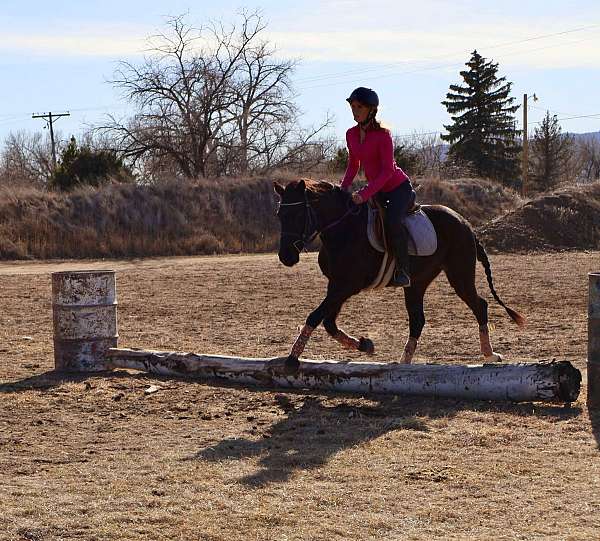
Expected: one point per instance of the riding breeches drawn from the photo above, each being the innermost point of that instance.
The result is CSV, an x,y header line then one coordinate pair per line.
x,y
395,205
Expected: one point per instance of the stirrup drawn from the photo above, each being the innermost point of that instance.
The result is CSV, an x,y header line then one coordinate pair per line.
x,y
400,278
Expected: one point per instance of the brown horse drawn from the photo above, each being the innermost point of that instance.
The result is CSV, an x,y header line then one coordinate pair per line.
x,y
310,208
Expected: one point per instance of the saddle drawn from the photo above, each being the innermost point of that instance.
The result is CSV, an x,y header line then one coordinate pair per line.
x,y
422,238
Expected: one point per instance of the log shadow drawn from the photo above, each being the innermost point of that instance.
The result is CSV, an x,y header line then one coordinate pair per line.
x,y
312,433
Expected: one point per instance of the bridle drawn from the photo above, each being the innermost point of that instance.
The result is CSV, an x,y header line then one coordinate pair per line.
x,y
311,225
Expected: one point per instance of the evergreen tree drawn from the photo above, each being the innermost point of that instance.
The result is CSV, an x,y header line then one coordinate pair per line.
x,y
483,133
83,166
549,154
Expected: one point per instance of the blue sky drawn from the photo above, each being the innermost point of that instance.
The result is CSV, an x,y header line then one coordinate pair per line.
x,y
59,55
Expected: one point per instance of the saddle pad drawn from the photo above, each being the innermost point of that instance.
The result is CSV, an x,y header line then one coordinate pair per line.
x,y
422,239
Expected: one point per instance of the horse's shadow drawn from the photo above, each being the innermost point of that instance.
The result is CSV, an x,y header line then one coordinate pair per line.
x,y
311,434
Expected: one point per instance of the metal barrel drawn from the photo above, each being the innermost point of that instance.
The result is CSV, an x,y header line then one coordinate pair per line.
x,y
84,307
593,358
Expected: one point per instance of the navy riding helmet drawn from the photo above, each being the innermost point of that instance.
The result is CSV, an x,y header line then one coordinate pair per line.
x,y
363,95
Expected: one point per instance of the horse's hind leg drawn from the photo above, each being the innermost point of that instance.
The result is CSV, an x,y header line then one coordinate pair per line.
x,y
462,278
413,300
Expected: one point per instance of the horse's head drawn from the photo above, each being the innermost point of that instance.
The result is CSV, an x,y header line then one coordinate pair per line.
x,y
298,214
293,217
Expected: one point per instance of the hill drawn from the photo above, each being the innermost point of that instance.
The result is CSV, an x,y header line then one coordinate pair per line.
x,y
565,219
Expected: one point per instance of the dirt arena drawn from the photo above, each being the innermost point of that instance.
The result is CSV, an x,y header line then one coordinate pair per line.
x,y
97,458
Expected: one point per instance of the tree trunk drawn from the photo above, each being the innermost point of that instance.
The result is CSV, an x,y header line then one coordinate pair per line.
x,y
556,381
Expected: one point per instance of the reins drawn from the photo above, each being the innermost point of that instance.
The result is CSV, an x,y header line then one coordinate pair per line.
x,y
311,222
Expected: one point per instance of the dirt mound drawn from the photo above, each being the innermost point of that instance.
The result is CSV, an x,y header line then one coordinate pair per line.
x,y
476,199
565,219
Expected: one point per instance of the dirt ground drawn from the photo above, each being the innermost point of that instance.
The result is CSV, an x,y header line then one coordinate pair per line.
x,y
95,457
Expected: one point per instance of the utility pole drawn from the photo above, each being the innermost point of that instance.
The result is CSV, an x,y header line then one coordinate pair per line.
x,y
525,155
50,118
525,164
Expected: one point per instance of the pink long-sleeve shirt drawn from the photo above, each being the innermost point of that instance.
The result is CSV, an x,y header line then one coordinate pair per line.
x,y
376,154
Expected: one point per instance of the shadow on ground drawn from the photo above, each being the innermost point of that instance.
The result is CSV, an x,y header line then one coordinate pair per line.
x,y
317,426
41,382
310,434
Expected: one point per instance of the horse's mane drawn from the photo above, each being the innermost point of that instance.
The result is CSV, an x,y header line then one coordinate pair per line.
x,y
317,186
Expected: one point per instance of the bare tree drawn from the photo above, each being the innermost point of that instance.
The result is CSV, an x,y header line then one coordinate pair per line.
x,y
26,159
431,151
588,159
209,101
550,150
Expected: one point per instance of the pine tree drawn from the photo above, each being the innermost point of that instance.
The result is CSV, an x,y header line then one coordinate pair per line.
x,y
549,154
483,132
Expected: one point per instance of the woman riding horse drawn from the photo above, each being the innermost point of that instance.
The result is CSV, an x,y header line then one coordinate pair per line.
x,y
371,145
347,258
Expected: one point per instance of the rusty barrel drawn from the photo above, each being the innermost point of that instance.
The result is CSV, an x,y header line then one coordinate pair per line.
x,y
593,358
84,306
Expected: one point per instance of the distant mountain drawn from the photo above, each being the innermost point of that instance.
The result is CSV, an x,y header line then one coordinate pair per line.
x,y
593,135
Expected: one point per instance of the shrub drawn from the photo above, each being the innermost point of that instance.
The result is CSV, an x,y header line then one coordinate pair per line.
x,y
86,167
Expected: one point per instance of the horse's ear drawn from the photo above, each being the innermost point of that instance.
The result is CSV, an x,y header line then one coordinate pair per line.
x,y
301,185
279,189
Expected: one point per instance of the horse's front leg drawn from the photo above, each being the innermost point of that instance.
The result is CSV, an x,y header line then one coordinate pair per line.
x,y
327,310
349,342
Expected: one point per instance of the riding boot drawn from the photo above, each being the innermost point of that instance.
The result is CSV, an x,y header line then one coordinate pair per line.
x,y
399,243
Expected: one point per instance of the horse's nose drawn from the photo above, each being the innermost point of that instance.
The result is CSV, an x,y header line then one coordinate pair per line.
x,y
289,260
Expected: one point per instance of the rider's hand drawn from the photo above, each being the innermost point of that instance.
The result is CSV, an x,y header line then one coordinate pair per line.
x,y
357,198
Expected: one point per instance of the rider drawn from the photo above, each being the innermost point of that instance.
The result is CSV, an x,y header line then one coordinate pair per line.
x,y
371,145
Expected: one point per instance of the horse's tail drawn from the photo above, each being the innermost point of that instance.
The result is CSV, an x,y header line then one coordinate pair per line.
x,y
483,258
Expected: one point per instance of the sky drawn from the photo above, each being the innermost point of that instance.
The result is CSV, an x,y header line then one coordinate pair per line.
x,y
60,56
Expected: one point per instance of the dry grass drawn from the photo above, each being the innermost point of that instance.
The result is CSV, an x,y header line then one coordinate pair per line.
x,y
478,200
127,220
180,218
94,458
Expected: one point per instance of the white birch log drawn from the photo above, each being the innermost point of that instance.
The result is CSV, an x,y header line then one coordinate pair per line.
x,y
554,381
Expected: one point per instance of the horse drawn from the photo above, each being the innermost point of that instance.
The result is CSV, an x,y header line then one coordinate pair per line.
x,y
308,208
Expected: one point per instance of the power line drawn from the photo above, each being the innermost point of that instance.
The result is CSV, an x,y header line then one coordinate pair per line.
x,y
441,66
569,116
551,110
596,115
449,55
81,109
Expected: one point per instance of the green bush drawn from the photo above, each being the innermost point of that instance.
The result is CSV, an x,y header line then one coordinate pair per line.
x,y
86,167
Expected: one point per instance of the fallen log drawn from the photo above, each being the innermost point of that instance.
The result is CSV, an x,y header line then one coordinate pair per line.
x,y
553,381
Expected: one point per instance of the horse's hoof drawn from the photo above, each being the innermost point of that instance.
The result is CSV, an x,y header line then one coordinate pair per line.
x,y
493,358
291,365
366,345
283,366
